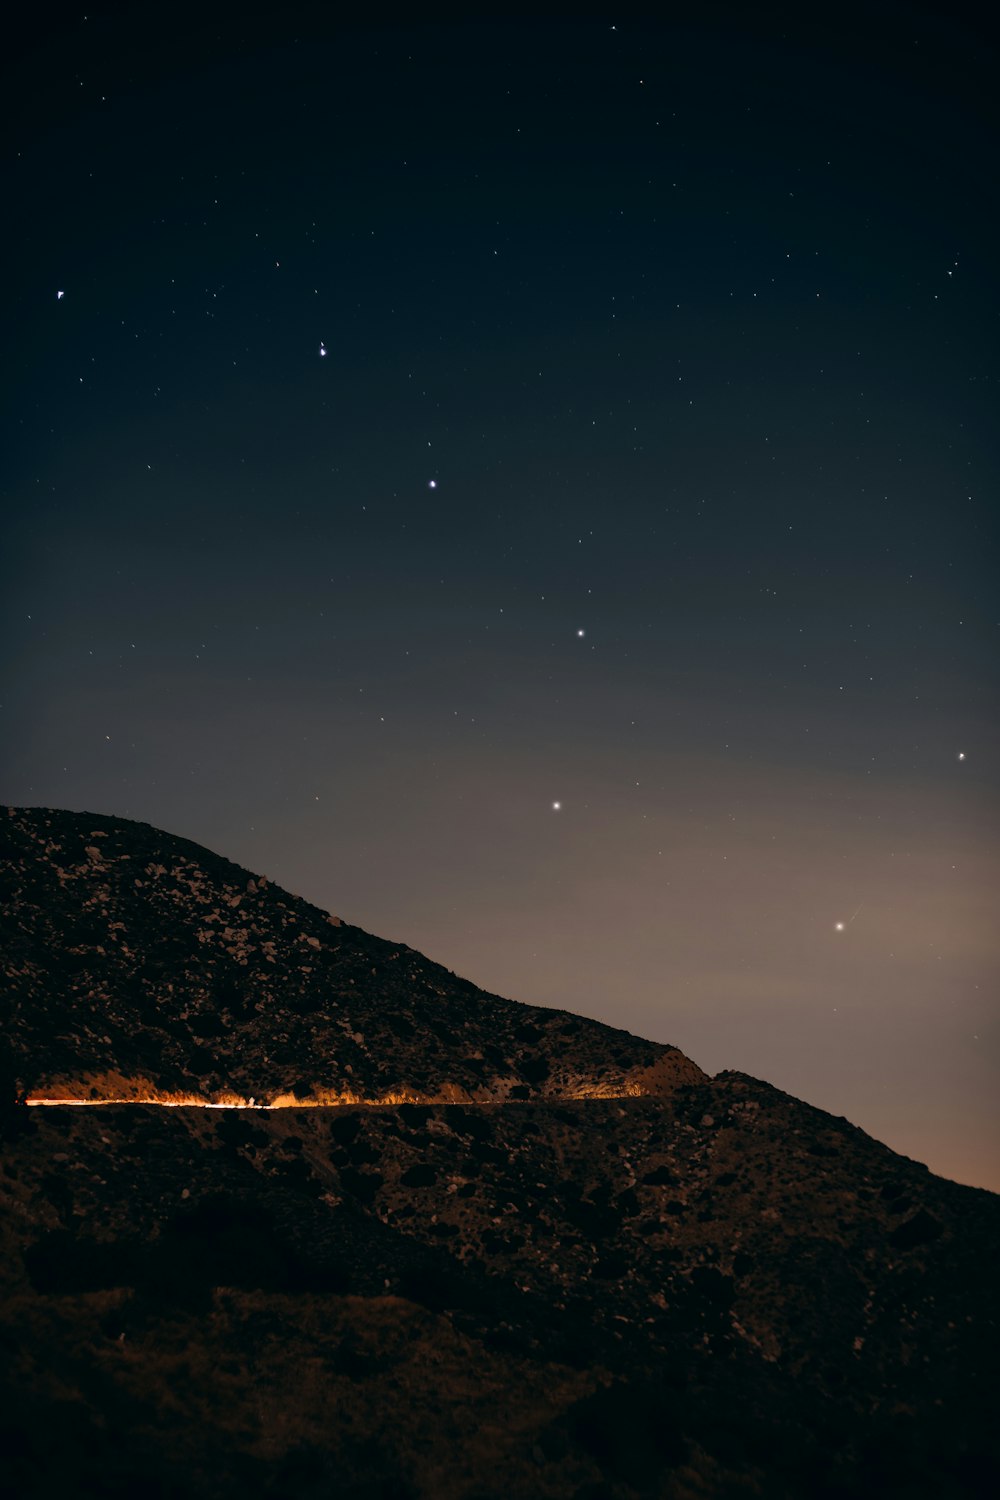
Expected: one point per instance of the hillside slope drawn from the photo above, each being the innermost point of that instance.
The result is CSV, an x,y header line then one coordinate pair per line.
x,y
692,1288
136,963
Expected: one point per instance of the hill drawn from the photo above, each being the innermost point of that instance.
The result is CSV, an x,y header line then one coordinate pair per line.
x,y
140,962
689,1287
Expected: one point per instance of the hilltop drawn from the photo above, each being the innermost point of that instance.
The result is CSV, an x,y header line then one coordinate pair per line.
x,y
138,961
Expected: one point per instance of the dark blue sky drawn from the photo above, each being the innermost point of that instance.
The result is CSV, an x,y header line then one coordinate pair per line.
x,y
692,325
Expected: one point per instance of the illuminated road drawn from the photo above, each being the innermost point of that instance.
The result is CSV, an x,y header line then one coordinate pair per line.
x,y
289,1101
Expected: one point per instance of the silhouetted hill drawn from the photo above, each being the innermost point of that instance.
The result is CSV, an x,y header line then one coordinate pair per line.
x,y
137,960
711,1290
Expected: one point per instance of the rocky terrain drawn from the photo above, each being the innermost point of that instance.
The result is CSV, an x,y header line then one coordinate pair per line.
x,y
690,1287
139,962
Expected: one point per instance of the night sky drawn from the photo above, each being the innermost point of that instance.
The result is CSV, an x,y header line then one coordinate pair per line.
x,y
529,488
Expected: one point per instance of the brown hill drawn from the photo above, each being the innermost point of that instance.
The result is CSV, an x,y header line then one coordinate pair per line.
x,y
713,1290
139,964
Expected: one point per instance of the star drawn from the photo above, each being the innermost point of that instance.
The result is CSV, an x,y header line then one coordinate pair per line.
x,y
322,349
580,634
838,926
556,806
432,484
60,296
961,755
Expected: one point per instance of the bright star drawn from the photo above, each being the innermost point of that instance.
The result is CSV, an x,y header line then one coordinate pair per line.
x,y
322,350
961,755
580,634
838,926
432,484
60,296
556,806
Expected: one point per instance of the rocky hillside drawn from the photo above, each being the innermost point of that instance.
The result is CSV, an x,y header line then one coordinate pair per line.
x,y
705,1292
138,964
